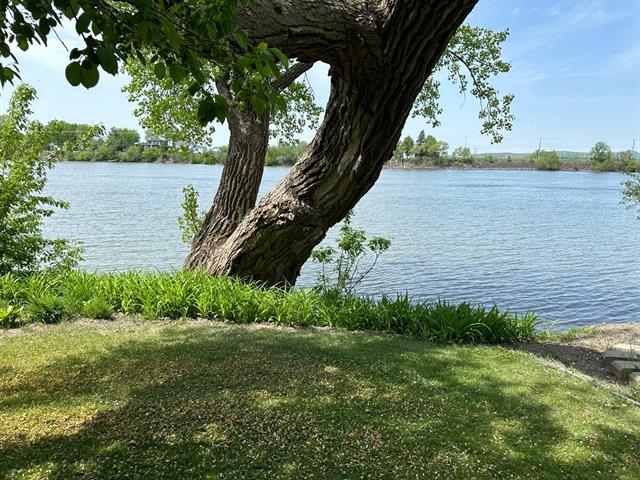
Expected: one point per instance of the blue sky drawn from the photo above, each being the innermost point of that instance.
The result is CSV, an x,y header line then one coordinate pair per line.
x,y
575,74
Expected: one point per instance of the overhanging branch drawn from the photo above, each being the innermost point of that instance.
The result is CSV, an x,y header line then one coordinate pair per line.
x,y
309,30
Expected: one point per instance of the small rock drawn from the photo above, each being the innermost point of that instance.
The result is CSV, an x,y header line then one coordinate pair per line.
x,y
622,368
613,355
634,378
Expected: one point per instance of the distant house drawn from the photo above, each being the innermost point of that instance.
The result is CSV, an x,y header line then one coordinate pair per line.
x,y
193,147
154,142
157,142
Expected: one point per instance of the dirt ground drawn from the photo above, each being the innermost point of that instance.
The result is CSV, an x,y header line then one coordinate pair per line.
x,y
584,352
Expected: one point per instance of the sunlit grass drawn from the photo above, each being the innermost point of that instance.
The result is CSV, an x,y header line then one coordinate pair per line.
x,y
105,400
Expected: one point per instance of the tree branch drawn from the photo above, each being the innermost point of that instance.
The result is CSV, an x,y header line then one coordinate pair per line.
x,y
290,75
309,30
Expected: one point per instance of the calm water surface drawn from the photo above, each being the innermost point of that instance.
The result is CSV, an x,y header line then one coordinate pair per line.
x,y
555,242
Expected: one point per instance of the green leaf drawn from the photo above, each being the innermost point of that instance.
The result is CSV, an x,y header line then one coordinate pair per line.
x,y
241,40
177,72
206,110
144,30
160,70
82,24
90,77
193,88
172,35
261,48
108,60
281,56
211,109
74,73
223,108
259,103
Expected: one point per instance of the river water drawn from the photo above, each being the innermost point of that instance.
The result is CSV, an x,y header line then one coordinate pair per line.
x,y
558,243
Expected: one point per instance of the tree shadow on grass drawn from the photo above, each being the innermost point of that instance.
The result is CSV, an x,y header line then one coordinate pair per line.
x,y
198,401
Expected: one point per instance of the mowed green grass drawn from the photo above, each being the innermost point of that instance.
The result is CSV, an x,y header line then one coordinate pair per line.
x,y
174,400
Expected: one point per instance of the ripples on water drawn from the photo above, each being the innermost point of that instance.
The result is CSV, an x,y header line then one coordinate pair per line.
x,y
555,242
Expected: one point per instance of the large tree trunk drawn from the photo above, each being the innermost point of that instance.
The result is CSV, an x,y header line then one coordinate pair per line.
x,y
380,57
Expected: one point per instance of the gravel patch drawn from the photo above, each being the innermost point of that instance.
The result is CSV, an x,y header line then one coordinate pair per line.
x,y
584,351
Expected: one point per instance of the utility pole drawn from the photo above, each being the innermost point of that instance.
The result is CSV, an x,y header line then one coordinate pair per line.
x,y
633,147
465,142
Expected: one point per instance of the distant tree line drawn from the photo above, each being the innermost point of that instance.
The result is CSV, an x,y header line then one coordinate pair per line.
x,y
427,151
125,145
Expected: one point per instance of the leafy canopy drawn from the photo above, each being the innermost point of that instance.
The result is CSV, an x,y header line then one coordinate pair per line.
x,y
171,111
120,139
180,40
471,60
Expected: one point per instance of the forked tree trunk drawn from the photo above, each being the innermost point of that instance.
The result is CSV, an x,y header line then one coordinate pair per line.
x,y
381,53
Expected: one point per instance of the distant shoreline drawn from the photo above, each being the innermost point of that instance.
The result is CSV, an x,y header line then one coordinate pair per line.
x,y
505,166
514,166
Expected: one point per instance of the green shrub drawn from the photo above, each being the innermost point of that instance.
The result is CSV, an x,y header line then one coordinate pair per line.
x,y
50,297
152,154
546,160
191,220
602,158
131,154
345,261
104,153
97,308
25,158
47,308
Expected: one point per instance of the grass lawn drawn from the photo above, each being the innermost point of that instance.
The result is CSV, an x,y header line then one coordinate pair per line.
x,y
210,400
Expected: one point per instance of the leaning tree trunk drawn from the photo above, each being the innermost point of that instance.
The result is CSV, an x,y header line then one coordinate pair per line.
x,y
242,171
380,53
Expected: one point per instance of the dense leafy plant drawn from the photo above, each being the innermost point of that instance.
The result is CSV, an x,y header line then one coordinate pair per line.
x,y
462,154
601,157
46,308
120,139
25,157
546,160
191,220
341,266
285,153
52,297
97,307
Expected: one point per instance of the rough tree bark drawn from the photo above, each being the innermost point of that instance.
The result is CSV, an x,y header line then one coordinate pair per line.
x,y
380,54
242,171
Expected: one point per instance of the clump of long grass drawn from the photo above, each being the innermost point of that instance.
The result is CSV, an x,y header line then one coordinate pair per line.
x,y
50,297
